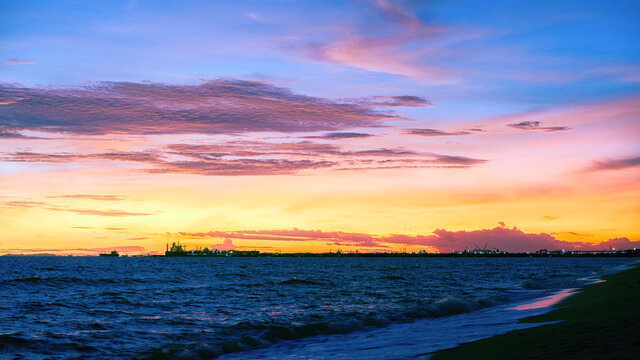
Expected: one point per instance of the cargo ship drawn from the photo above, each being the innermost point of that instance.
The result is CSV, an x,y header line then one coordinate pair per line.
x,y
113,253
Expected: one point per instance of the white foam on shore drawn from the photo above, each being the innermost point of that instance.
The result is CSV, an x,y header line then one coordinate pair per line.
x,y
419,338
403,340
546,301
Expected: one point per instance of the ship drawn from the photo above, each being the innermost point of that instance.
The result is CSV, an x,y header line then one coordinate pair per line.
x,y
176,250
113,253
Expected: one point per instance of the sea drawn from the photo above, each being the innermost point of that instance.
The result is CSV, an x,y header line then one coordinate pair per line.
x,y
272,307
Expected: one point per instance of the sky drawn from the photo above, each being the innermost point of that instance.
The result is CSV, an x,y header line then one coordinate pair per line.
x,y
300,126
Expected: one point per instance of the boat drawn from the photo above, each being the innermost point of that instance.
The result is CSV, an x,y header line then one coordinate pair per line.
x,y
113,253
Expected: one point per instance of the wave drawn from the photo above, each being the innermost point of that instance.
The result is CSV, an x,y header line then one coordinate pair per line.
x,y
560,282
61,280
393,277
17,343
296,281
248,336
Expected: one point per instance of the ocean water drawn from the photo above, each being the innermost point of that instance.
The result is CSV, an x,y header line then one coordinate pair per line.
x,y
268,308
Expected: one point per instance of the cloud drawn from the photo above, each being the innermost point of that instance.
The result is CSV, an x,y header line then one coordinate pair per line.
x,y
28,156
501,237
253,158
122,249
92,197
457,160
384,152
401,49
399,14
254,17
225,246
252,149
222,106
211,159
340,135
295,234
109,212
621,243
397,101
8,134
14,61
240,167
434,132
616,164
535,125
378,55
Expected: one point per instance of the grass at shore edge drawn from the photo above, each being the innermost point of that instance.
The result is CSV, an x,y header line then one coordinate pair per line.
x,y
601,321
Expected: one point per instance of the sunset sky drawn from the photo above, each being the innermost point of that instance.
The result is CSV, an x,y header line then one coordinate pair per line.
x,y
317,126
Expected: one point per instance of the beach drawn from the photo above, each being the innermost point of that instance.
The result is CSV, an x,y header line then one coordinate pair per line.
x,y
601,321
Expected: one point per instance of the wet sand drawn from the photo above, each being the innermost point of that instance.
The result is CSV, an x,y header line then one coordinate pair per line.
x,y
601,321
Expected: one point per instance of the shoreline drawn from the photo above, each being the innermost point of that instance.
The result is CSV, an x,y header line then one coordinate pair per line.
x,y
599,321
629,253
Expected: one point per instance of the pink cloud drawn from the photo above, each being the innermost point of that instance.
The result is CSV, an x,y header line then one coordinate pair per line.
x,y
122,249
621,111
254,17
616,164
225,246
222,106
91,197
340,135
535,125
42,205
110,212
381,55
14,61
234,158
502,237
434,132
396,52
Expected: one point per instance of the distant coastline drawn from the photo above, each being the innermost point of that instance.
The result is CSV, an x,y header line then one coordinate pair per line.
x,y
180,250
455,254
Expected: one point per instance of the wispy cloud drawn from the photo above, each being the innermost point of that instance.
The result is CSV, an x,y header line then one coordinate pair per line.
x,y
457,160
616,164
246,167
223,106
9,134
340,135
434,132
535,125
397,101
402,49
53,207
110,212
89,196
123,249
28,156
245,158
25,203
14,61
254,17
